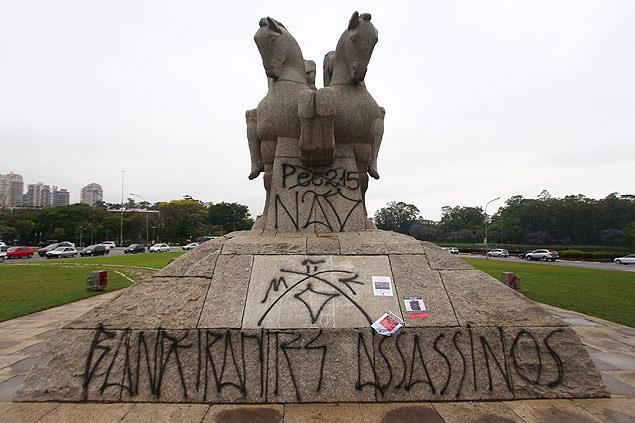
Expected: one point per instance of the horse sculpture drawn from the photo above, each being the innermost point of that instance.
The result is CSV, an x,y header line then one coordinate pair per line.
x,y
290,107
359,119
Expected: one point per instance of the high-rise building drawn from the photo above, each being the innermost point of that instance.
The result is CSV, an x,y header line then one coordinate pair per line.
x,y
37,195
60,197
92,194
11,190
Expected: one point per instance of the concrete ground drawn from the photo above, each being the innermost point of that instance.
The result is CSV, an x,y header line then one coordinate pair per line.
x,y
611,346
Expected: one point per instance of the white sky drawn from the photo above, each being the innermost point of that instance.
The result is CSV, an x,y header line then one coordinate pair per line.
x,y
483,98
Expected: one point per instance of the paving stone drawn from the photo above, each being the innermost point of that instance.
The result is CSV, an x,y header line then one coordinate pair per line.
x,y
10,387
155,413
24,412
561,411
316,291
579,321
8,360
481,412
607,345
614,410
245,413
226,296
325,413
616,386
38,347
22,334
378,242
441,259
18,346
93,413
616,361
414,278
398,413
22,366
477,299
264,245
163,302
5,376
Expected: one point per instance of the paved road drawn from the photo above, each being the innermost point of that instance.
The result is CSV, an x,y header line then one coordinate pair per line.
x,y
566,263
114,252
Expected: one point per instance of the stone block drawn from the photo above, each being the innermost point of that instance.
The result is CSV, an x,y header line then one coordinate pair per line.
x,y
479,299
227,292
441,259
162,302
202,259
316,291
94,413
397,413
324,413
322,245
24,413
245,413
414,278
309,365
551,411
156,413
618,410
265,244
378,242
477,412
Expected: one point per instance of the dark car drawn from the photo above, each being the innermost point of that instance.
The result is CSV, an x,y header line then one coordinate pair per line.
x,y
94,250
42,251
134,249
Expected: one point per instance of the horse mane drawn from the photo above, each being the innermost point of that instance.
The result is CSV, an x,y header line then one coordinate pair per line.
x,y
327,67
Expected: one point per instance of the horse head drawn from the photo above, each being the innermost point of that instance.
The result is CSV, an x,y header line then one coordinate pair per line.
x,y
280,52
356,45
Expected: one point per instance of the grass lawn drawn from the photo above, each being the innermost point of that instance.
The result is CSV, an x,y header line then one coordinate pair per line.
x,y
152,260
606,294
27,289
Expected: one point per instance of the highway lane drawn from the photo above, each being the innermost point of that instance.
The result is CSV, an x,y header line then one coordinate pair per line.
x,y
566,263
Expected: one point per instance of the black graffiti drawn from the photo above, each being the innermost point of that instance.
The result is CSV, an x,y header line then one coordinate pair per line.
x,y
309,280
234,365
294,176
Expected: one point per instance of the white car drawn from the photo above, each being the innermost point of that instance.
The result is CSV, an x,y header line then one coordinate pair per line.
x,y
498,252
453,250
629,259
108,244
61,252
159,248
190,246
3,251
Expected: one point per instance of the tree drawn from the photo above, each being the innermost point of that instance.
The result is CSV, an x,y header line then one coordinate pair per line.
x,y
456,218
181,220
397,216
229,217
611,236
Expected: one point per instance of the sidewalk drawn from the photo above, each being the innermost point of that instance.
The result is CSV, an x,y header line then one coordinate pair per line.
x,y
611,346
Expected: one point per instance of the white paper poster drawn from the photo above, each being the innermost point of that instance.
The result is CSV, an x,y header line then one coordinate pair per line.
x,y
387,324
415,307
382,286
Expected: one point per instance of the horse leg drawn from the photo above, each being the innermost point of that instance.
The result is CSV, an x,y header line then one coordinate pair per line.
x,y
377,134
254,144
268,150
325,103
309,148
362,154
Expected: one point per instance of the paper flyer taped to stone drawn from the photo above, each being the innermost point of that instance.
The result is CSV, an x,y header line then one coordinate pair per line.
x,y
387,324
382,286
415,307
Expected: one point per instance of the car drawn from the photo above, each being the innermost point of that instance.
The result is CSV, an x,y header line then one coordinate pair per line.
x,y
498,252
42,251
524,255
134,249
3,251
94,250
190,246
159,248
19,252
61,252
543,254
453,250
109,244
629,259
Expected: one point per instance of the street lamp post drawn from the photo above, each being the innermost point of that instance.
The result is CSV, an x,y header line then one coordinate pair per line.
x,y
123,173
146,213
487,219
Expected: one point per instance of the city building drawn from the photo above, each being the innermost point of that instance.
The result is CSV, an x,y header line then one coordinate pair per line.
x,y
11,190
60,197
37,195
92,194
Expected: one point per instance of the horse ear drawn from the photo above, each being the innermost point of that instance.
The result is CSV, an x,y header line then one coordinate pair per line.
x,y
354,22
273,26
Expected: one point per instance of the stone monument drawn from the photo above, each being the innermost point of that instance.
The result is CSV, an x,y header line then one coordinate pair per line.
x,y
314,304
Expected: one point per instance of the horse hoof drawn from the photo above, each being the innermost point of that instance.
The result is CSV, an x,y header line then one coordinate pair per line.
x,y
254,174
373,173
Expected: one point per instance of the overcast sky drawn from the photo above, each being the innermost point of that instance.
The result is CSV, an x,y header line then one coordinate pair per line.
x,y
483,98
